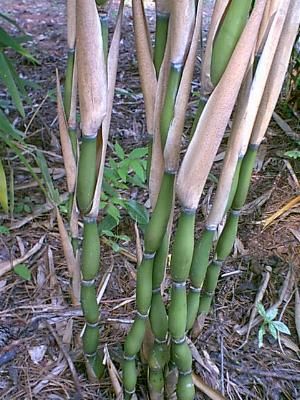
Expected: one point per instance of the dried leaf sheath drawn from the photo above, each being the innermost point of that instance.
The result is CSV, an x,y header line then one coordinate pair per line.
x,y
112,65
92,80
145,62
203,148
277,73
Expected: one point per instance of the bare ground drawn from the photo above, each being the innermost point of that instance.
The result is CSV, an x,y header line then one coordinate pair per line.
x,y
37,318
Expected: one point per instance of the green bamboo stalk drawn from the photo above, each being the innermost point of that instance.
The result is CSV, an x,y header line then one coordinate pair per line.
x,y
104,30
227,36
86,174
161,33
154,234
199,265
92,85
69,81
180,268
159,323
89,270
168,107
224,42
227,238
200,261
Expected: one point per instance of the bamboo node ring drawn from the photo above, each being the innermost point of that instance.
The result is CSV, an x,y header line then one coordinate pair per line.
x,y
187,210
129,391
88,283
195,289
89,219
163,14
177,66
90,136
180,340
129,358
209,294
149,256
211,227
90,355
71,50
92,325
185,373
171,171
142,316
156,290
236,213
217,262
179,285
158,341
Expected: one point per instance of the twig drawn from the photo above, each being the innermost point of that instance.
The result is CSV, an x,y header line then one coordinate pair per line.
x,y
279,374
37,212
7,266
67,357
285,127
259,296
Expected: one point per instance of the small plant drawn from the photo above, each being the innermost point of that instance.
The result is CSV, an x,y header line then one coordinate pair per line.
x,y
295,153
274,327
127,170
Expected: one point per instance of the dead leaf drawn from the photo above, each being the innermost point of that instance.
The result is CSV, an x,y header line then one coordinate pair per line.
x,y
289,343
37,353
297,312
204,388
114,376
295,201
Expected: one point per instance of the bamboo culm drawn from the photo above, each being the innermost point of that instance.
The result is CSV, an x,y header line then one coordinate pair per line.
x,y
154,234
227,238
180,267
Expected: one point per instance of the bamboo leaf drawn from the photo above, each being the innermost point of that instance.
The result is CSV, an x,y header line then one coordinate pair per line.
x,y
7,128
53,194
3,189
8,41
8,80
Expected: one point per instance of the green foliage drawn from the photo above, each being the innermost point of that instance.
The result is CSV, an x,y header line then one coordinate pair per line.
x,y
295,153
8,75
23,271
122,172
269,323
4,230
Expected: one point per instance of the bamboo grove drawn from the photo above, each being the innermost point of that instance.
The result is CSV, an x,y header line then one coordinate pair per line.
x,y
243,66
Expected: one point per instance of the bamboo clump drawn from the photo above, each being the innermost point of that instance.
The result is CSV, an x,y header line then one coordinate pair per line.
x,y
92,66
242,72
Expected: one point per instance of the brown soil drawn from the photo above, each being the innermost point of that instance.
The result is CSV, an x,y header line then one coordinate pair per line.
x,y
36,316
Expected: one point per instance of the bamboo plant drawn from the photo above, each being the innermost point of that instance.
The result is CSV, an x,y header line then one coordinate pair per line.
x,y
253,39
264,93
93,68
